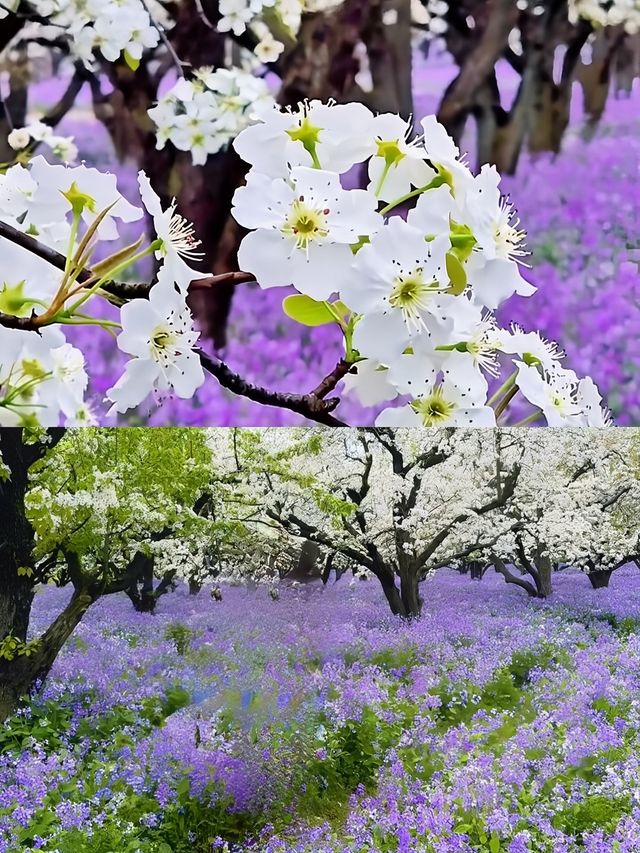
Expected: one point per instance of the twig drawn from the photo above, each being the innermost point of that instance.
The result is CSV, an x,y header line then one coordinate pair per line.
x,y
331,379
165,40
309,405
119,289
66,102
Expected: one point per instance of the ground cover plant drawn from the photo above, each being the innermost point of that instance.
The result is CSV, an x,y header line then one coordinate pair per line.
x,y
494,722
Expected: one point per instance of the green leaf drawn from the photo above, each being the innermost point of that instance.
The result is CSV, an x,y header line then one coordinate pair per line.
x,y
494,843
457,275
131,61
303,309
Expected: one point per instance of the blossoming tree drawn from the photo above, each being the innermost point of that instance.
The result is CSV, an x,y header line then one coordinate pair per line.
x,y
89,509
399,504
576,500
395,503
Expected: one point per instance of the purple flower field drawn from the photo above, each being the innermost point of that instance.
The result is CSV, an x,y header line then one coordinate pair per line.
x,y
319,722
579,209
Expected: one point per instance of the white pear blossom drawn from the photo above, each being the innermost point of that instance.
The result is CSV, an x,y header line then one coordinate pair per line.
x,y
59,188
159,333
304,229
238,16
369,382
203,115
554,392
108,27
398,165
421,291
530,346
442,404
313,134
416,291
178,243
42,377
607,13
62,146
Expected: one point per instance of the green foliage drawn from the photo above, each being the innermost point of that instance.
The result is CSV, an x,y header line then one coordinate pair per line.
x,y
480,838
47,723
594,812
397,661
303,309
181,636
103,493
611,712
624,626
12,647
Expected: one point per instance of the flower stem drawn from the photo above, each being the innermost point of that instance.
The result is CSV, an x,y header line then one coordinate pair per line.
x,y
436,182
532,418
506,400
506,386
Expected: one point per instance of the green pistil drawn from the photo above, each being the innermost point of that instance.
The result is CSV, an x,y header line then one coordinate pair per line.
x,y
309,135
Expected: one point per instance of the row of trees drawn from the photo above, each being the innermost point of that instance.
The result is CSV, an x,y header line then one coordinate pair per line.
x,y
550,46
401,504
135,510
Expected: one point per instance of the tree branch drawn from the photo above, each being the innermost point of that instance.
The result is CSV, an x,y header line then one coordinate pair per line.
x,y
307,405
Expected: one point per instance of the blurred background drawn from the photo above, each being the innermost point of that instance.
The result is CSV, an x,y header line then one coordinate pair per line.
x,y
546,91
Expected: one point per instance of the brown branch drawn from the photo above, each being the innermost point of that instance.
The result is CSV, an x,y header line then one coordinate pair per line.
x,y
308,405
222,278
331,379
66,102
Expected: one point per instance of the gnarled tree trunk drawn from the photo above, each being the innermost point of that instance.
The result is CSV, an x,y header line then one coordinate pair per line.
x,y
600,578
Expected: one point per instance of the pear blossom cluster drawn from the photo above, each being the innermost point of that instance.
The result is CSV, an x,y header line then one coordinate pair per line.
x,y
430,16
607,13
204,114
71,210
271,22
111,29
415,296
42,379
63,147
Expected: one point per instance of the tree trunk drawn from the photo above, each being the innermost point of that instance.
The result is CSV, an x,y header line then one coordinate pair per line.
x,y
15,104
410,594
141,592
600,578
16,539
392,594
477,570
509,577
545,569
194,587
307,563
595,78
498,19
15,608
22,675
